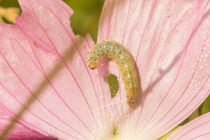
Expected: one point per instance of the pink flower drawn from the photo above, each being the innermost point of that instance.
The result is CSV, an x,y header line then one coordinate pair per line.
x,y
170,44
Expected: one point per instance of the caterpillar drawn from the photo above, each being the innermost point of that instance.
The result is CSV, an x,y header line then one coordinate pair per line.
x,y
125,62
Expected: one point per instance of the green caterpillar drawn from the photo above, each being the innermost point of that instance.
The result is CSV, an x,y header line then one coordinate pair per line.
x,y
125,61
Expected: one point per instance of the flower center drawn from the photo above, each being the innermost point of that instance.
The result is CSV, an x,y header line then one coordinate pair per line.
x,y
115,131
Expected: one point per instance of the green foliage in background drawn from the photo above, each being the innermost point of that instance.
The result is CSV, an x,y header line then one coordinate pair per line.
x,y
202,109
86,16
113,84
9,3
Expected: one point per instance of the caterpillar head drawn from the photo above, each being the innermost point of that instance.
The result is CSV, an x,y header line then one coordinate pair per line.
x,y
92,65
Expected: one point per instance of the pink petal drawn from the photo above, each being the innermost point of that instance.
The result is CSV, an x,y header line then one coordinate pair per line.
x,y
20,132
46,23
69,106
77,103
90,88
170,43
196,129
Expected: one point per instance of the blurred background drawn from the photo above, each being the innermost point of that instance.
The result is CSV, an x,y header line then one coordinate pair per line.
x,y
85,20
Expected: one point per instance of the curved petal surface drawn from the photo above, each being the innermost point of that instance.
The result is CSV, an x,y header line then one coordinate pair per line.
x,y
20,131
170,42
29,51
197,129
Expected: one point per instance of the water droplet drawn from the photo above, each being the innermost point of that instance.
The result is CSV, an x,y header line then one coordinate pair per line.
x,y
204,48
200,60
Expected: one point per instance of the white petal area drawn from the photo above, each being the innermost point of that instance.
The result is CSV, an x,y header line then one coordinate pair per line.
x,y
197,129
